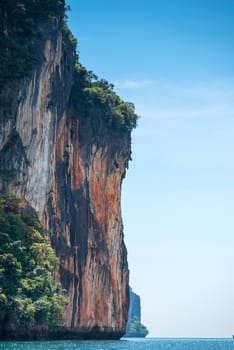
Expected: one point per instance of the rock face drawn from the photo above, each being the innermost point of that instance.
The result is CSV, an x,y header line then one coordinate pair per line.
x,y
84,216
70,170
134,326
29,117
134,307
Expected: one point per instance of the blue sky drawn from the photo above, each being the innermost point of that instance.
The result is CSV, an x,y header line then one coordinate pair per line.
x,y
174,59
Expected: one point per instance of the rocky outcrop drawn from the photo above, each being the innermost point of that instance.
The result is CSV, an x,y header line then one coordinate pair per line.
x,y
70,170
134,326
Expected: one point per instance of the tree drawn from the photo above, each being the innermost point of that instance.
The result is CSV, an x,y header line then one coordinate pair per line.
x,y
28,294
90,95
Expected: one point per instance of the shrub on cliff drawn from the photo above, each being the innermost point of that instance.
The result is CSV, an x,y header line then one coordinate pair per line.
x,y
90,95
28,294
19,33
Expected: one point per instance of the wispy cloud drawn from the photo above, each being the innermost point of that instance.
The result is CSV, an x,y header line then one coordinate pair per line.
x,y
190,125
211,90
171,101
134,84
180,112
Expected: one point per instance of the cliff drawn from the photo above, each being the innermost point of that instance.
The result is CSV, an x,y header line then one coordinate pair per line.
x,y
134,306
134,326
65,152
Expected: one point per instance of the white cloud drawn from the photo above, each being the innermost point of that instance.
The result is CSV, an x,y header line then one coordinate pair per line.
x,y
171,101
133,84
211,90
186,112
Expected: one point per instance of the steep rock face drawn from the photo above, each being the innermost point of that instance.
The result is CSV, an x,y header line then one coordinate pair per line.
x,y
84,216
70,170
134,306
134,327
29,118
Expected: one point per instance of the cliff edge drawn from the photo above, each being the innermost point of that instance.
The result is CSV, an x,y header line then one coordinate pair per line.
x,y
65,143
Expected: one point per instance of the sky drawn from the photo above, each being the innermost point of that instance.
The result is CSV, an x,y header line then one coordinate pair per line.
x,y
174,59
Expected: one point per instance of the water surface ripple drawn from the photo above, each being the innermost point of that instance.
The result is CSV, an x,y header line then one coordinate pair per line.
x,y
125,344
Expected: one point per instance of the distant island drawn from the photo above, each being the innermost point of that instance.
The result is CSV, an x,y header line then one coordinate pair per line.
x,y
134,326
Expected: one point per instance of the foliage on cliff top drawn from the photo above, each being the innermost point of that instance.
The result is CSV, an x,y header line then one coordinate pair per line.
x,y
90,95
28,294
19,31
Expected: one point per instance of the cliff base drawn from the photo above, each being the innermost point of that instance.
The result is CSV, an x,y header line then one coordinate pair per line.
x,y
59,333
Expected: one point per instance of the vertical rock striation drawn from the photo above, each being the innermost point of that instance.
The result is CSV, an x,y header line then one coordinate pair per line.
x,y
84,216
29,118
70,170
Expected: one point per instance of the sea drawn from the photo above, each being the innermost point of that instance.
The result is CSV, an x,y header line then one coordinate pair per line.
x,y
125,344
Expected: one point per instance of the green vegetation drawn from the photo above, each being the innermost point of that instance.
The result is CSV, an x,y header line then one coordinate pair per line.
x,y
92,95
20,31
19,50
66,31
28,294
136,329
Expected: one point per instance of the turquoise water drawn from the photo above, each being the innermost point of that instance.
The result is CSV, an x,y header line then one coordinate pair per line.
x,y
128,344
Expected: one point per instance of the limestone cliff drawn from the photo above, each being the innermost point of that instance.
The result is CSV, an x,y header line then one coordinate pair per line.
x,y
69,169
84,215
134,326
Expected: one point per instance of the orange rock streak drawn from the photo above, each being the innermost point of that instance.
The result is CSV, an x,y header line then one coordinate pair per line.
x,y
87,224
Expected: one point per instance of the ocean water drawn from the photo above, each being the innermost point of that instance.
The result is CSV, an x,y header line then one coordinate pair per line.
x,y
125,344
